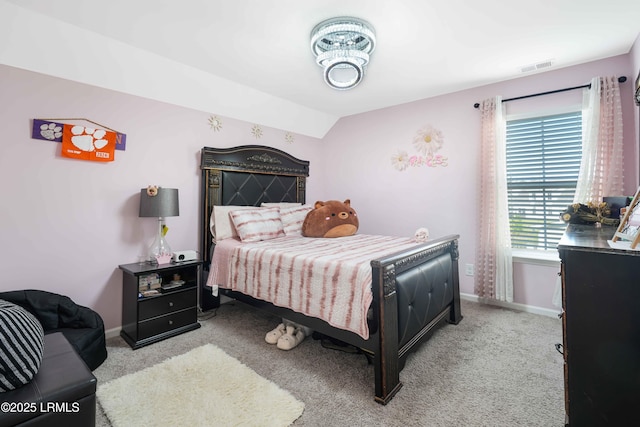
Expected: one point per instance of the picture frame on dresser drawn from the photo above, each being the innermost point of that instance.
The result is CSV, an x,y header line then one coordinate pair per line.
x,y
637,90
629,227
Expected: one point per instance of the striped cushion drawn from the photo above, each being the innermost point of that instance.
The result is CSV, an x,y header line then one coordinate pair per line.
x,y
220,222
292,219
21,344
254,225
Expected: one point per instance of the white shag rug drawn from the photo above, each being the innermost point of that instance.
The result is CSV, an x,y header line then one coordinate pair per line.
x,y
204,387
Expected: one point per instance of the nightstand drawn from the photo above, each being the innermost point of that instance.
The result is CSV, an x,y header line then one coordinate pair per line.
x,y
158,301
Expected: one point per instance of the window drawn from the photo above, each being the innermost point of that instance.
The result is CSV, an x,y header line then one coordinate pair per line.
x,y
543,162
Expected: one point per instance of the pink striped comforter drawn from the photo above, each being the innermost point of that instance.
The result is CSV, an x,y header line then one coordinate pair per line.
x,y
325,278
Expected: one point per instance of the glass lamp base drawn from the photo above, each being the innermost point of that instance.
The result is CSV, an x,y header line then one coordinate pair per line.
x,y
160,251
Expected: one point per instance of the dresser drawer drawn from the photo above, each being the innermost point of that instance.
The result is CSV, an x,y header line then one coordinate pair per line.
x,y
159,325
167,304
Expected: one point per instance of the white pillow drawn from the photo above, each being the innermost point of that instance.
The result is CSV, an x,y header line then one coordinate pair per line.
x,y
220,222
292,219
257,224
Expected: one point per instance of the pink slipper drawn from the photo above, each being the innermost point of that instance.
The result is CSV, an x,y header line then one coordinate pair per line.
x,y
290,339
273,336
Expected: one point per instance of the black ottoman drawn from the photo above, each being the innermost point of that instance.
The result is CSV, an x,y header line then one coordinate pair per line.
x,y
63,392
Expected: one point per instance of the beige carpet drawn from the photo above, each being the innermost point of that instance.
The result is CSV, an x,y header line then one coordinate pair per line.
x,y
204,387
497,368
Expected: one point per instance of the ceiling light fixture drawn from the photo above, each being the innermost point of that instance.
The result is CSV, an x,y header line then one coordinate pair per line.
x,y
342,47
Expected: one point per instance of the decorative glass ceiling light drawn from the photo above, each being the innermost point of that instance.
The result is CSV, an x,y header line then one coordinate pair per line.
x,y
342,47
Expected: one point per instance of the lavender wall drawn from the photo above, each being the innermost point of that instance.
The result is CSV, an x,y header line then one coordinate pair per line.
x,y
444,198
67,224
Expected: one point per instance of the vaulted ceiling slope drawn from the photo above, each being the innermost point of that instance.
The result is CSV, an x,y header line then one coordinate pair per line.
x,y
251,60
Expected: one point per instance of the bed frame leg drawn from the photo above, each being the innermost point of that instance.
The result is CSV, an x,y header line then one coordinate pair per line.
x,y
386,399
386,360
387,370
455,315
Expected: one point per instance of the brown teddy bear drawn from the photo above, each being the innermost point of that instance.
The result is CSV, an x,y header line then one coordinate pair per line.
x,y
331,219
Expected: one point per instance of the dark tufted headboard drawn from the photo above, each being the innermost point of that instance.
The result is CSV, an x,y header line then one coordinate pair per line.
x,y
247,175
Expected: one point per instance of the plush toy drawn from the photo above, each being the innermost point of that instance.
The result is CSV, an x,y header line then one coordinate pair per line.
x,y
152,190
331,219
421,235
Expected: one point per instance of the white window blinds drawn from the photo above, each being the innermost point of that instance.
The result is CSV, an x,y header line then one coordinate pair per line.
x,y
543,161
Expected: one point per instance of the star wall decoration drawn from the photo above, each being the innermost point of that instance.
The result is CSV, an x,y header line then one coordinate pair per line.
x,y
215,123
256,131
288,137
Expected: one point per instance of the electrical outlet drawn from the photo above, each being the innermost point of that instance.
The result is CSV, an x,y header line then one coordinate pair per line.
x,y
468,269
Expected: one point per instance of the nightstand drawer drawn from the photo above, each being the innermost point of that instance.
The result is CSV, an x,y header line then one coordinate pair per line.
x,y
166,304
162,324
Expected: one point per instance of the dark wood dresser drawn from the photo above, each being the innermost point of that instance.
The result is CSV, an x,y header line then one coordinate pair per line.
x,y
601,328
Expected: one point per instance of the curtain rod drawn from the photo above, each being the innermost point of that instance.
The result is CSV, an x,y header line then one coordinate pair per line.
x,y
620,79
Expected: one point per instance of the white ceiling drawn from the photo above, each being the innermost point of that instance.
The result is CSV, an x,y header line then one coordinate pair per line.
x,y
424,48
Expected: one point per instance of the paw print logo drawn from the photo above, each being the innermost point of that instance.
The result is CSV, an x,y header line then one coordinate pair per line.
x,y
87,139
84,143
51,131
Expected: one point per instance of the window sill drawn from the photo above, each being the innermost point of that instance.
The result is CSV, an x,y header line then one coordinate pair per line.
x,y
544,258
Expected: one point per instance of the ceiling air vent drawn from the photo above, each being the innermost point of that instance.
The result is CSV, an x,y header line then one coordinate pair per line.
x,y
536,67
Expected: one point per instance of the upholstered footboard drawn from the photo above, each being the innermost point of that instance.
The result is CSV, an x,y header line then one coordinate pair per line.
x,y
414,291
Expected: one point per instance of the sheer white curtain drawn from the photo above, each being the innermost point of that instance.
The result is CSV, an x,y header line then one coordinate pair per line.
x,y
601,168
493,270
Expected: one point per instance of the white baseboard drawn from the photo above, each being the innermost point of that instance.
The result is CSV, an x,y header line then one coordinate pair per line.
x,y
113,332
549,312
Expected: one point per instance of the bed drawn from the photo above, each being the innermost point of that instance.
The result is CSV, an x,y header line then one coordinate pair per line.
x,y
413,290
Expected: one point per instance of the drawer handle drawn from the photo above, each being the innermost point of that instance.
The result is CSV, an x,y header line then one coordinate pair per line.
x,y
560,348
170,304
170,322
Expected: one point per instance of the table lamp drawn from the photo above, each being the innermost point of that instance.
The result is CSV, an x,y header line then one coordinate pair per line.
x,y
160,203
